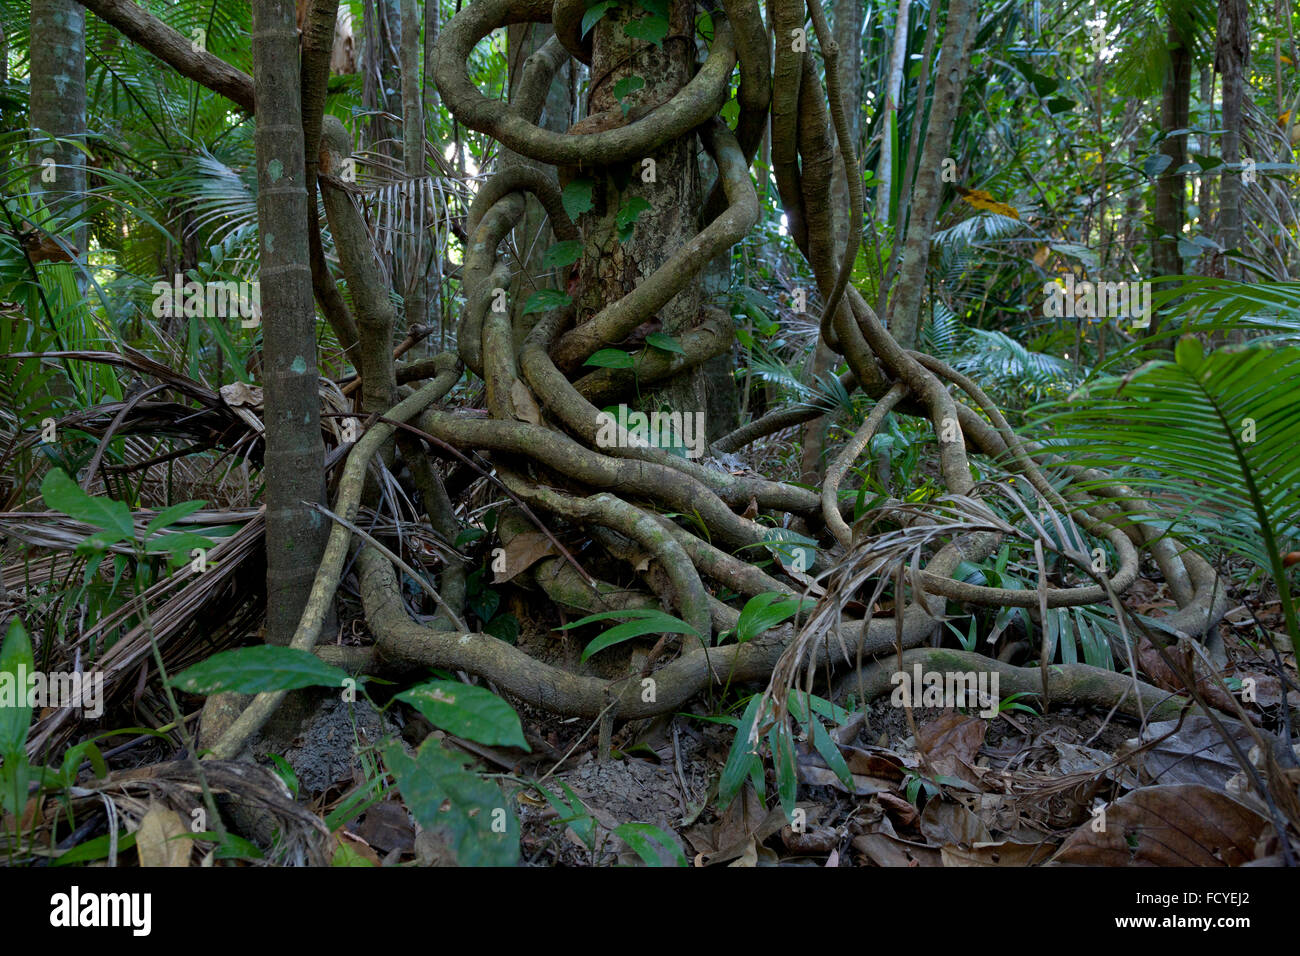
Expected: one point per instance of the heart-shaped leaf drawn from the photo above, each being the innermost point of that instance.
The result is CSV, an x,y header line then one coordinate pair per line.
x,y
665,343
651,29
576,197
562,254
611,358
594,13
544,300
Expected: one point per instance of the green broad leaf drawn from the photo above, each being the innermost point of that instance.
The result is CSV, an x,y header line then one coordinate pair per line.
x,y
562,254
657,7
1045,85
783,762
94,849
760,301
651,29
647,621
594,13
182,542
627,217
468,535
611,358
95,546
741,758
235,847
63,494
765,611
544,300
820,705
664,343
471,813
1156,164
474,713
731,112
345,855
652,844
796,552
169,516
1060,104
623,614
1078,252
15,776
254,670
504,627
831,754
16,665
484,604
758,780
576,197
626,87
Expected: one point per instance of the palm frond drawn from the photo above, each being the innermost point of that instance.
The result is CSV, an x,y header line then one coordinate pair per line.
x,y
1214,435
1002,360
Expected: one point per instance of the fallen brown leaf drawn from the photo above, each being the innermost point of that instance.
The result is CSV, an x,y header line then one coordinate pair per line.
x,y
1180,825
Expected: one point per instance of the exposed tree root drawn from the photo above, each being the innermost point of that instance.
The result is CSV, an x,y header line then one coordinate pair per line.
x,y
545,437
1079,684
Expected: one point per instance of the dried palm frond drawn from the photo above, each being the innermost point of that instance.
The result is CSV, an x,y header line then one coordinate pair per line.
x,y
190,604
258,803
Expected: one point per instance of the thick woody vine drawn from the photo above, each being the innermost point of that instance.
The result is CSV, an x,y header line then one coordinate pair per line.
x,y
542,422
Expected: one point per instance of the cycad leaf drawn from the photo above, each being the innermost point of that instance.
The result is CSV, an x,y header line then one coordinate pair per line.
x,y
1214,435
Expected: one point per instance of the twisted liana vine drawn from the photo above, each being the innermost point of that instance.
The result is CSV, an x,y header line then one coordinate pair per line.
x,y
541,429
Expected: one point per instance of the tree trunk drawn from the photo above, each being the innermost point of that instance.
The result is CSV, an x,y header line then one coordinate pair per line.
x,y
1231,59
950,80
295,453
1171,186
415,252
893,81
58,108
670,184
379,64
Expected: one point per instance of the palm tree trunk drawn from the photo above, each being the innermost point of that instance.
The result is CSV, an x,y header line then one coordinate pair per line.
x,y
295,453
58,106
416,247
1231,59
1171,186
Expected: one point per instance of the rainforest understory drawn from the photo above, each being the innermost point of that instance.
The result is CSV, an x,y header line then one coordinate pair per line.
x,y
371,476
